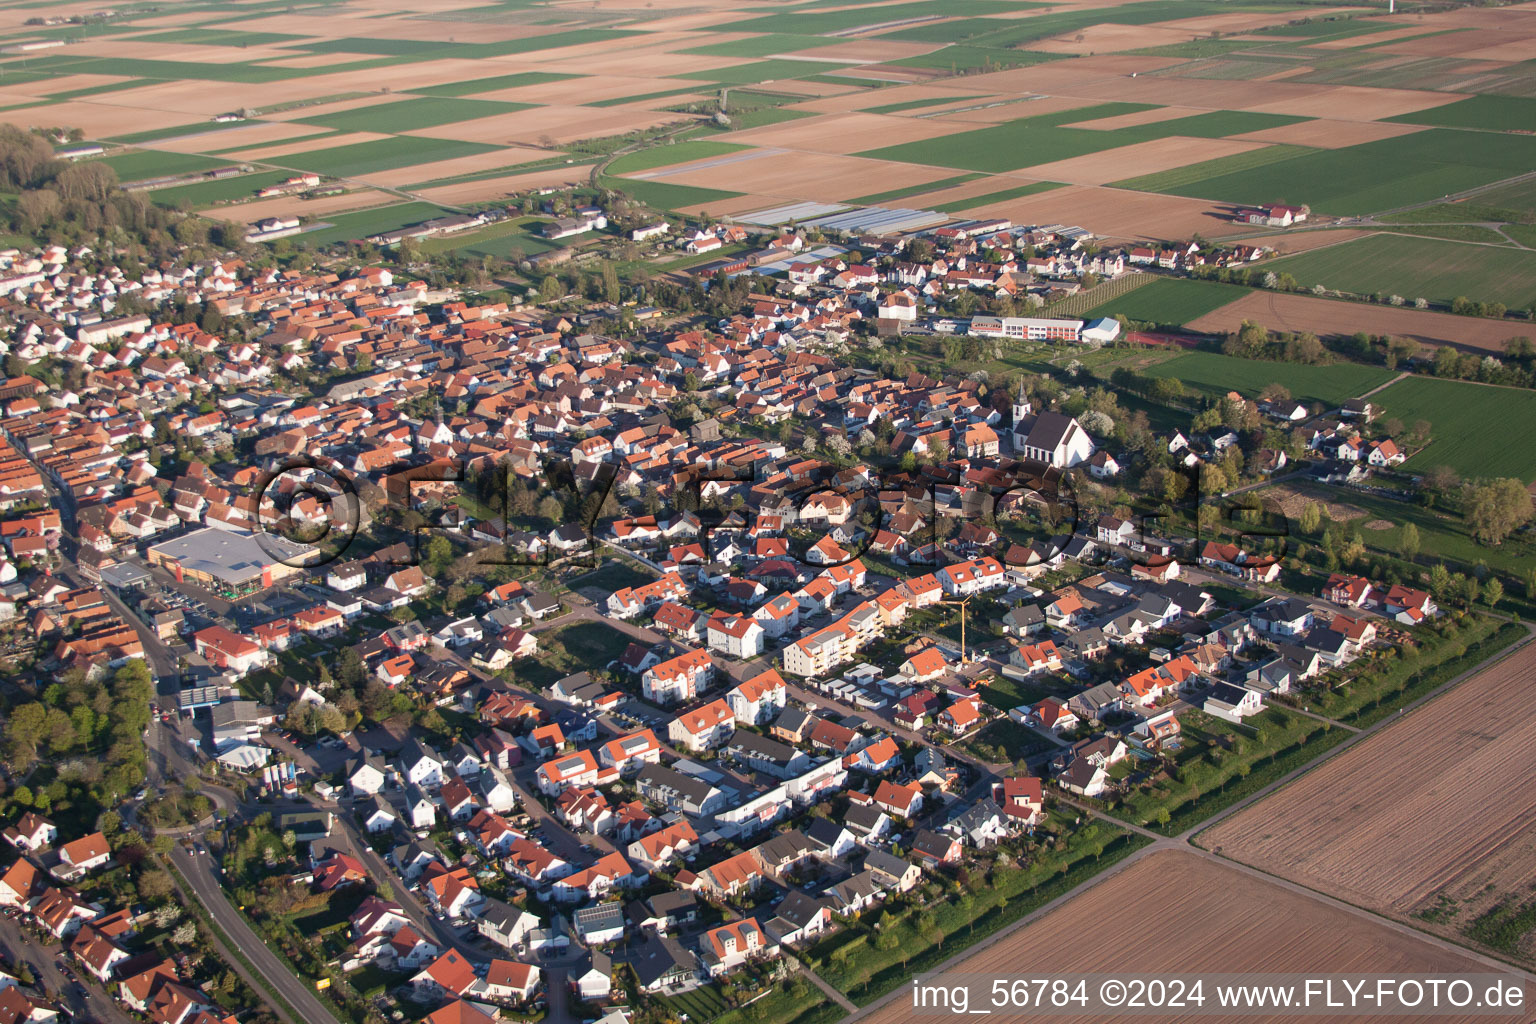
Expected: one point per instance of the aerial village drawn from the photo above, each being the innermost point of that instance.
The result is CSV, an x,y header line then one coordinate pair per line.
x,y
549,664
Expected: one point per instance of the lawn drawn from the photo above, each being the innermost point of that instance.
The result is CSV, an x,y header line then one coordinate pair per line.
x,y
412,115
1220,763
574,648
1216,374
380,155
616,573
676,153
362,223
1007,740
143,164
1002,196
222,190
1041,139
1492,113
1412,267
508,240
1477,430
1171,301
493,84
1360,179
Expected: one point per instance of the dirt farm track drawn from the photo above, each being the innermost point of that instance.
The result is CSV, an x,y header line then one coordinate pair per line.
x,y
1177,912
1437,813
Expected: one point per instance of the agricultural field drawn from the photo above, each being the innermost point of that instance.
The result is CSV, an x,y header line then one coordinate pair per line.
x,y
1288,311
347,226
1349,181
1432,821
1170,301
1211,917
989,87
1045,138
1418,267
410,115
141,165
1490,113
1477,429
1216,374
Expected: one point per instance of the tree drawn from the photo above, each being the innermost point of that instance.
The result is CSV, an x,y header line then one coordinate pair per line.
x,y
1311,517
155,886
1493,592
1496,508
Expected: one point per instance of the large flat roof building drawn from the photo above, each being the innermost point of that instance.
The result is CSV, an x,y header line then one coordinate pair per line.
x,y
230,563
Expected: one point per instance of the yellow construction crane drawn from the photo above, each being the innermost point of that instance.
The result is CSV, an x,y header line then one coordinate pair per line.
x,y
962,602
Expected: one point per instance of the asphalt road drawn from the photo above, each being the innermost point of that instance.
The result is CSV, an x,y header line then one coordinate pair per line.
x,y
197,869
85,1001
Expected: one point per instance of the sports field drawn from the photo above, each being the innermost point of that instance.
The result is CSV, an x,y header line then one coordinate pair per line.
x,y
1477,429
1172,301
1216,374
1414,267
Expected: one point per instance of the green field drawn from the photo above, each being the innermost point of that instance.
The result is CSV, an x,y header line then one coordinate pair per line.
x,y
1171,301
1413,267
174,132
664,196
666,156
1042,139
217,37
223,190
1358,179
143,164
963,57
807,20
896,108
381,155
493,84
1477,430
619,101
1492,113
761,46
348,226
508,240
411,115
760,71
1001,196
1216,374
1182,177
875,198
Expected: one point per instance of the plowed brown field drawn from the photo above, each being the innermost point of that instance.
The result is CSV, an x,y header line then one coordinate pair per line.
x,y
1437,812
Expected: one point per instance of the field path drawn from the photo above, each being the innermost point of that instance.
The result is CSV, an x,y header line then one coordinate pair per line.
x,y
1382,387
